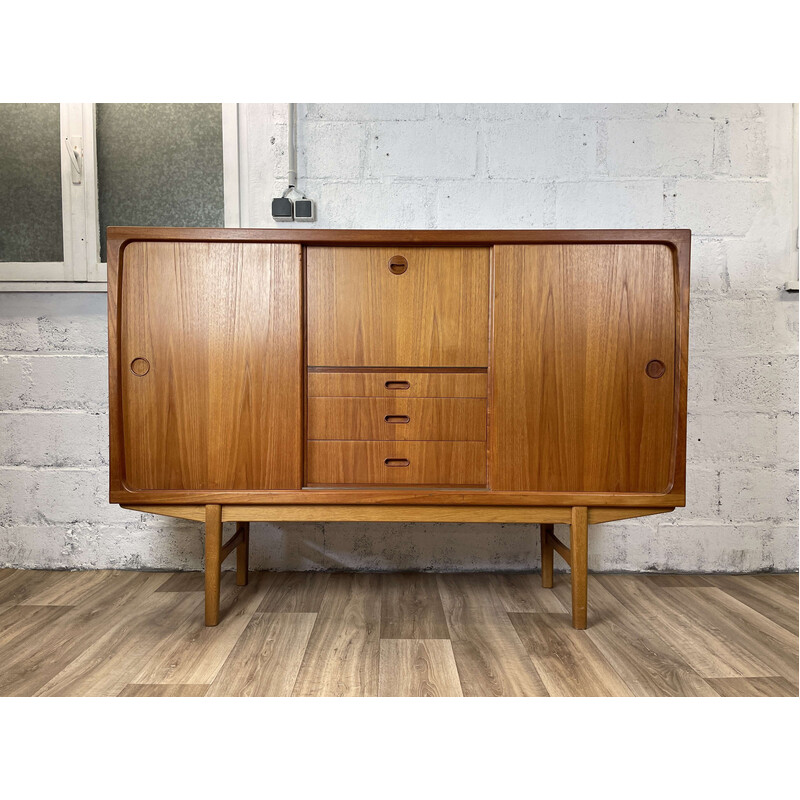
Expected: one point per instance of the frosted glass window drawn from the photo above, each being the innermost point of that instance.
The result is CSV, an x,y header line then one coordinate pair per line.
x,y
30,182
159,164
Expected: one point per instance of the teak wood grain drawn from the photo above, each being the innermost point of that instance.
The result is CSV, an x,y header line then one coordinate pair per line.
x,y
396,384
649,503
436,419
435,314
506,376
574,409
425,463
220,406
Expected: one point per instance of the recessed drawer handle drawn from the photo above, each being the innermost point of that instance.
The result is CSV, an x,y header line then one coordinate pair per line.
x,y
397,419
398,265
140,367
397,385
396,462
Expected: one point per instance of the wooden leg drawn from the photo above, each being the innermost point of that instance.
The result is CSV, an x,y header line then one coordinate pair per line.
x,y
578,546
242,553
546,530
213,562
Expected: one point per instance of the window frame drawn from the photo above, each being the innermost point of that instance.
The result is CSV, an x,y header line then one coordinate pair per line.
x,y
81,270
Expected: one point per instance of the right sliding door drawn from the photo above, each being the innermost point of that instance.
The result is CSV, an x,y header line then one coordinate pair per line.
x,y
583,368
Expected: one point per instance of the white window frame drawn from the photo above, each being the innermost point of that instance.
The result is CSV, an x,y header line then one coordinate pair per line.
x,y
81,270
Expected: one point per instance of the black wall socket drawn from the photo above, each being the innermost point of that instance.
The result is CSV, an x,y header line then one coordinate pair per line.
x,y
282,209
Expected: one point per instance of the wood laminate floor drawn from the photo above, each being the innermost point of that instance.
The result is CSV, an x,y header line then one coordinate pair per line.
x,y
137,634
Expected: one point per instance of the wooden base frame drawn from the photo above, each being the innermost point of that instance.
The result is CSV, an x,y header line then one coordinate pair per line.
x,y
575,555
577,517
217,552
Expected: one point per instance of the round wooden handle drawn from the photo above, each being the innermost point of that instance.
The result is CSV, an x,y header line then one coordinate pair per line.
x,y
140,366
398,265
655,368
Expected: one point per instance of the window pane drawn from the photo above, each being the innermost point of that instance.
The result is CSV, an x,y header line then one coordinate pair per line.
x,y
30,182
159,164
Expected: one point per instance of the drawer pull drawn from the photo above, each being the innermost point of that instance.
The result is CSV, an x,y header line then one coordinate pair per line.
x,y
397,419
397,385
398,265
655,368
396,462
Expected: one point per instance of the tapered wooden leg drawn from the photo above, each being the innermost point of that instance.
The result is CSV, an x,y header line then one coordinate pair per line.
x,y
578,546
213,562
242,553
546,530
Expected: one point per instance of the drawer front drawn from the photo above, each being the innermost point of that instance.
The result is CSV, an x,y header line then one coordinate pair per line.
x,y
397,463
397,384
374,418
390,307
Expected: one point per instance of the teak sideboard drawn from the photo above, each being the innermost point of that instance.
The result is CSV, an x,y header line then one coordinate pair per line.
x,y
433,376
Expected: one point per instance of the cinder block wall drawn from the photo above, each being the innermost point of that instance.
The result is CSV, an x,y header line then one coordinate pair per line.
x,y
724,171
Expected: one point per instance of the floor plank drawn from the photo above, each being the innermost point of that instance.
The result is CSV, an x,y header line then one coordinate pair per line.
x,y
92,588
342,657
293,592
19,588
696,644
411,607
164,690
523,593
754,687
766,597
108,664
567,660
787,580
418,668
679,581
193,653
266,659
185,582
734,640
32,663
628,641
21,624
490,658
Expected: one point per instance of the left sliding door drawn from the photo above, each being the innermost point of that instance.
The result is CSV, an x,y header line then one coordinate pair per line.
x,y
211,364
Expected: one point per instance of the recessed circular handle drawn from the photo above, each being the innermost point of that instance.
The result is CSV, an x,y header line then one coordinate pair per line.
x,y
140,366
398,265
655,368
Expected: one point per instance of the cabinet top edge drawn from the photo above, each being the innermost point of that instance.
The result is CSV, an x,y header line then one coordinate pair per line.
x,y
342,236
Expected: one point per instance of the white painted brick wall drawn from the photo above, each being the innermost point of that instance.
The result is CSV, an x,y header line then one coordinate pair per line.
x,y
722,170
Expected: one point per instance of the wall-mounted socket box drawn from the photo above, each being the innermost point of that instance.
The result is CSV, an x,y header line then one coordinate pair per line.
x,y
282,209
304,210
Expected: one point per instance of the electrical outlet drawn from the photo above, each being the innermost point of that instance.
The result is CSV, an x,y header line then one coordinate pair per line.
x,y
304,210
282,209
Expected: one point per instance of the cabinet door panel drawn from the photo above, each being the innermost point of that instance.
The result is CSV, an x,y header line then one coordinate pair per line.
x,y
213,399
574,408
431,311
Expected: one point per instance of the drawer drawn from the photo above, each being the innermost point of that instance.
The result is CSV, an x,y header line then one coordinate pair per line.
x,y
397,419
396,384
396,463
398,307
